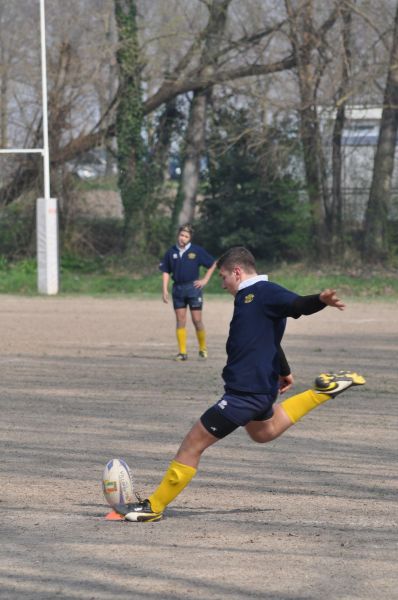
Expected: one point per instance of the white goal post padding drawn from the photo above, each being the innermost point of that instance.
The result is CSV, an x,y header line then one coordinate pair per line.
x,y
47,246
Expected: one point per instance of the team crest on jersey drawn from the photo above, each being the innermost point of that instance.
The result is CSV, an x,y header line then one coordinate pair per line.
x,y
192,255
249,298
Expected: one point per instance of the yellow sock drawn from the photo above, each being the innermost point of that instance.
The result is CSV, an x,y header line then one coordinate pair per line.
x,y
301,404
182,339
201,335
174,481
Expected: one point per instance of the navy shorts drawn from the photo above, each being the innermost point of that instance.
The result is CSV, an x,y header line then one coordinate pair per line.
x,y
186,294
242,407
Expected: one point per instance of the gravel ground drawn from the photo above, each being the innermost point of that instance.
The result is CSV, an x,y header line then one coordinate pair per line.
x,y
312,515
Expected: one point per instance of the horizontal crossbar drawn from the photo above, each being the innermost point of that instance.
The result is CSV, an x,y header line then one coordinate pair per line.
x,y
22,151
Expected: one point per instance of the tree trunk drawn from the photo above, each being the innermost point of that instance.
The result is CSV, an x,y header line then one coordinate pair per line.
x,y
3,105
194,148
336,213
375,249
3,90
129,122
303,43
168,123
196,129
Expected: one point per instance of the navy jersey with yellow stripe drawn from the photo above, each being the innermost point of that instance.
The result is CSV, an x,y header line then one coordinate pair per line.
x,y
185,268
255,333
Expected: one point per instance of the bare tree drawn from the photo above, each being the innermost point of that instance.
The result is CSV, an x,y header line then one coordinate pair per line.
x,y
77,59
306,39
375,249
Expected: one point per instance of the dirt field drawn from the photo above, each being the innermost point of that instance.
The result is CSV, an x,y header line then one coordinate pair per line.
x,y
312,515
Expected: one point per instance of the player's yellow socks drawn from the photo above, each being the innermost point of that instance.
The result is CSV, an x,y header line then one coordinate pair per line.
x,y
182,339
201,335
301,404
176,478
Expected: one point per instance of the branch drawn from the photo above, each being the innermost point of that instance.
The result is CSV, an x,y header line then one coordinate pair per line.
x,y
171,89
255,38
369,21
81,144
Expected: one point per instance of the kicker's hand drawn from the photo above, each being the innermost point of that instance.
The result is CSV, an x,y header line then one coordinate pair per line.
x,y
285,383
330,298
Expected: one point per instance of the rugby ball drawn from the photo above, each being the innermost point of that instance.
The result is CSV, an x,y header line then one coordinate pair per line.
x,y
117,482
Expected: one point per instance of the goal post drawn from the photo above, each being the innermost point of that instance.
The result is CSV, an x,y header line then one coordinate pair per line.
x,y
46,207
47,246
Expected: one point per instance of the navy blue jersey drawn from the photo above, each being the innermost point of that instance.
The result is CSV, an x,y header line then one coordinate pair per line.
x,y
255,333
185,268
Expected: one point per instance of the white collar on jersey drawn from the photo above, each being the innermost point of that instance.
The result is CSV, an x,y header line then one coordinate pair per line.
x,y
182,250
244,284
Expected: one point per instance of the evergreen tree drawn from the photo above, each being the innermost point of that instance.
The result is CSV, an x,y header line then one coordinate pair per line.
x,y
248,199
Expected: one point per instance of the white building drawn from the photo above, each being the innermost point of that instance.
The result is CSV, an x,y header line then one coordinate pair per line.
x,y
360,138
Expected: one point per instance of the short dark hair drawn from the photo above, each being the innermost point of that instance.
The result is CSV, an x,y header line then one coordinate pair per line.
x,y
186,227
237,256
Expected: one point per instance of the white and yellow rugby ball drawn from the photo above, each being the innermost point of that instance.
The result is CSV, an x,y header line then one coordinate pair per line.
x,y
117,482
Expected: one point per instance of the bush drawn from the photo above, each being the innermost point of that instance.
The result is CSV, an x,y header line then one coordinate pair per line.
x,y
93,237
17,230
